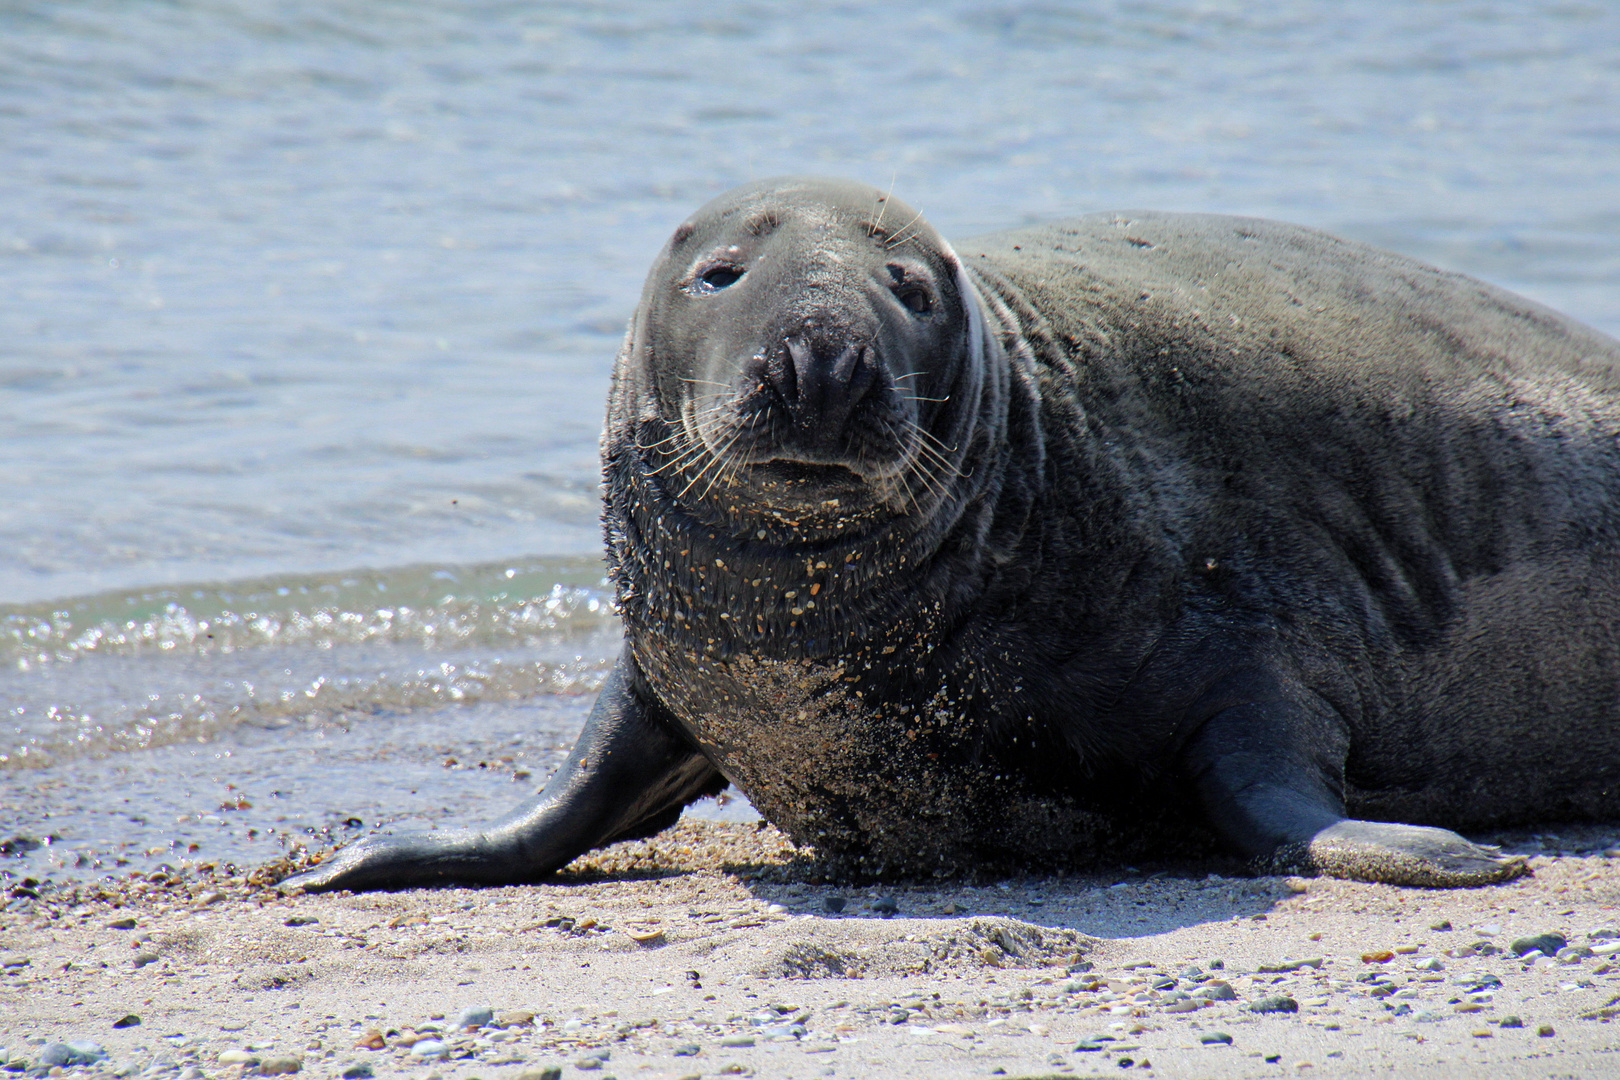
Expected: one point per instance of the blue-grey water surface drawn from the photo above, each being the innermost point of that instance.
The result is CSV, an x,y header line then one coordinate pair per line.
x,y
308,311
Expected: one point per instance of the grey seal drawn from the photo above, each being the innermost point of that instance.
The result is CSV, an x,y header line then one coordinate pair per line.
x,y
1083,540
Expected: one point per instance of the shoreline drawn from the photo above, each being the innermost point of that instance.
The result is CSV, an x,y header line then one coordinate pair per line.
x,y
713,949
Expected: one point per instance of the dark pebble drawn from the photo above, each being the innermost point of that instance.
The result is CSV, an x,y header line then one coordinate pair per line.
x,y
1511,1022
886,905
127,1021
301,920
1547,943
689,1050
834,904
554,1072
1216,1038
357,1072
1274,1005
121,924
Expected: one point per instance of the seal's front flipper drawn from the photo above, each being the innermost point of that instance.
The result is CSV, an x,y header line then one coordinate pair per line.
x,y
1269,772
627,777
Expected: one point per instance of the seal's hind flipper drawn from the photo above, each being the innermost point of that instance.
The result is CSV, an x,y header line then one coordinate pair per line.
x,y
628,776
1268,766
1394,854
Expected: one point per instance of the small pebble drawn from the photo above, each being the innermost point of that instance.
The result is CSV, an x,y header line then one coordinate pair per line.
x,y
475,1016
1510,1022
144,958
1442,925
1278,1004
586,1064
121,924
1214,1038
427,1048
358,1072
301,920
128,1021
834,904
1382,956
552,1072
1546,1031
238,1057
689,1050
1546,944
737,1040
886,905
280,1066
70,1054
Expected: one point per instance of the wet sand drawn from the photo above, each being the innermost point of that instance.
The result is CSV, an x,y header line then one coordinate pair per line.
x,y
715,950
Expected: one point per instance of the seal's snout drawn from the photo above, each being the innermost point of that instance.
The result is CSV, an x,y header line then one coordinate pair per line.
x,y
821,382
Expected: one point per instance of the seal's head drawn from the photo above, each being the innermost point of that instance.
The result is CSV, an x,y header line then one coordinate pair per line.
x,y
799,346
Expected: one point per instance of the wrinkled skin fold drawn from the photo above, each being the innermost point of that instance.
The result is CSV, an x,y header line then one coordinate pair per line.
x,y
1116,536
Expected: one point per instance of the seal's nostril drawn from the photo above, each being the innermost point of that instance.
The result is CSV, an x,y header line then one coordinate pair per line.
x,y
793,362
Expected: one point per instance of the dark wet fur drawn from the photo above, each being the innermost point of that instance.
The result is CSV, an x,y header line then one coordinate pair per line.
x,y
1225,445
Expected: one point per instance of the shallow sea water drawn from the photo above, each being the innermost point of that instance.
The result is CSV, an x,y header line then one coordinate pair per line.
x,y
310,310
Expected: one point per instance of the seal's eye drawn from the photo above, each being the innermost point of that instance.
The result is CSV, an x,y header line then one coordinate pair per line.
x,y
718,277
909,292
916,299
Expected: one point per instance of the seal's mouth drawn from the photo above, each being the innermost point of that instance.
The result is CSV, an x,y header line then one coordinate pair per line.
x,y
816,474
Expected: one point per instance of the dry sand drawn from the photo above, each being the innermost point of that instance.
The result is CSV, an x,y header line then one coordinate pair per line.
x,y
712,951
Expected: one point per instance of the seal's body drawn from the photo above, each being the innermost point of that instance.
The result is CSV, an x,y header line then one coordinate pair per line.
x,y
1085,537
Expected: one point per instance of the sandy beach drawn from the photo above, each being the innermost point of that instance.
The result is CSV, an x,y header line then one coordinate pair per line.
x,y
716,949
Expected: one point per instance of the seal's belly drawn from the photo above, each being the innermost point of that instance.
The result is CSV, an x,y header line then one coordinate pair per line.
x,y
884,786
